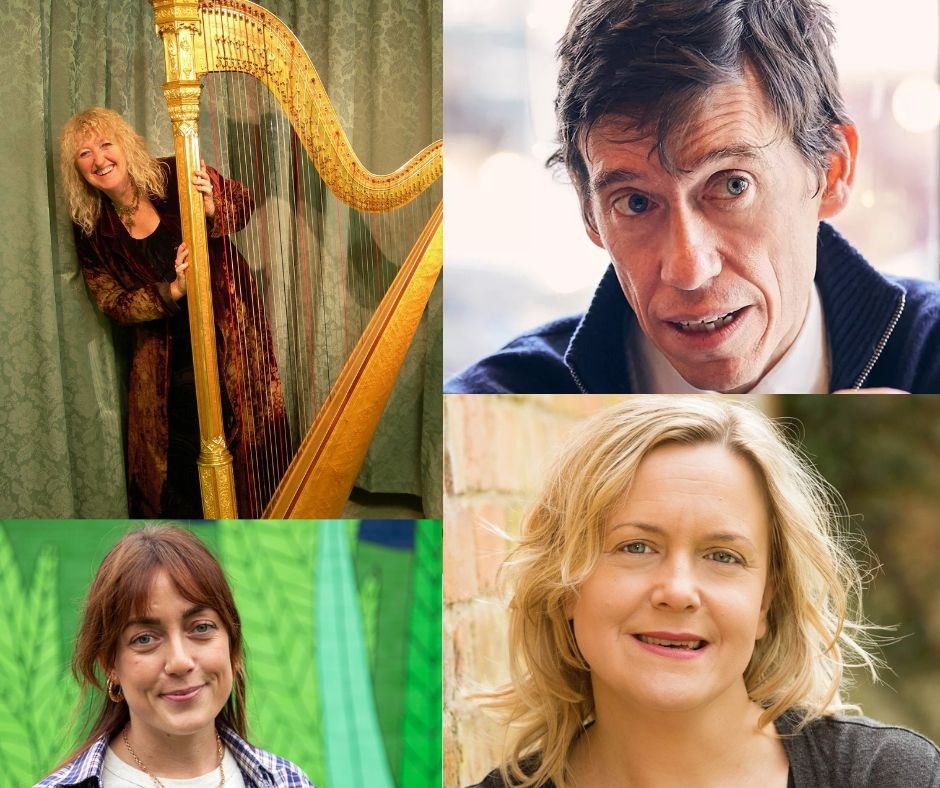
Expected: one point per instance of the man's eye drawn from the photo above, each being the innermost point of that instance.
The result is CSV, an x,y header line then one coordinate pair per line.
x,y
142,640
736,185
633,203
203,628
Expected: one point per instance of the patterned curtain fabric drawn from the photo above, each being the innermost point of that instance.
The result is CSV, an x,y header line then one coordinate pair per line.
x,y
63,365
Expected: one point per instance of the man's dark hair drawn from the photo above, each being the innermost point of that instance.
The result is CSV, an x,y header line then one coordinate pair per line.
x,y
654,62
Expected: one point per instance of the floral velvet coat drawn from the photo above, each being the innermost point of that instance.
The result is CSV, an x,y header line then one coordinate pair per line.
x,y
128,292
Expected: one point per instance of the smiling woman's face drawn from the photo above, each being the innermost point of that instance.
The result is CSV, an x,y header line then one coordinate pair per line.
x,y
100,160
669,617
173,664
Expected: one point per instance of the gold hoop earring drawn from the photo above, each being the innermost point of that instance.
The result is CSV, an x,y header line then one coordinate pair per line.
x,y
114,692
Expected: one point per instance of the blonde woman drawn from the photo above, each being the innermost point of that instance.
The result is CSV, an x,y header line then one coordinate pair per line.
x,y
684,608
128,236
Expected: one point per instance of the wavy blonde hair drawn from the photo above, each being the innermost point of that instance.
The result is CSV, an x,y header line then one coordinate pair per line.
x,y
145,172
815,629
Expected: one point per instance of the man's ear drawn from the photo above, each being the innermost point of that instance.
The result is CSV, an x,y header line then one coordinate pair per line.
x,y
590,224
841,174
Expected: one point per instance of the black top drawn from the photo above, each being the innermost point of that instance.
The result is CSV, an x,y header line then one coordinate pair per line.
x,y
840,752
159,251
181,496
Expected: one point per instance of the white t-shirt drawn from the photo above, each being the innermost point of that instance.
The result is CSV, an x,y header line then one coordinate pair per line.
x,y
118,774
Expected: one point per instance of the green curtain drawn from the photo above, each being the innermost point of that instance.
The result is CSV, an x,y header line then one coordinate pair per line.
x,y
63,365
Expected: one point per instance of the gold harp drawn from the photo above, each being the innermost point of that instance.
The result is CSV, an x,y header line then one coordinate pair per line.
x,y
210,36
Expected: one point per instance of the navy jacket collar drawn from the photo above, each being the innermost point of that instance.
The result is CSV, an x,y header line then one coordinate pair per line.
x,y
597,352
860,306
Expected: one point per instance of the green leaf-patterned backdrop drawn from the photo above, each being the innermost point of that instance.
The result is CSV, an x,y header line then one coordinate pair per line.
x,y
342,623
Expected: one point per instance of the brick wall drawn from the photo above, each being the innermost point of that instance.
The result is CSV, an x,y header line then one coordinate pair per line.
x,y
496,449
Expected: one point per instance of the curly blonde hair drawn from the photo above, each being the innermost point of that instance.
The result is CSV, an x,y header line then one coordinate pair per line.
x,y
145,172
815,629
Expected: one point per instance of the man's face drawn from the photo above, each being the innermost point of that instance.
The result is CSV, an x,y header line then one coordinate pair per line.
x,y
716,262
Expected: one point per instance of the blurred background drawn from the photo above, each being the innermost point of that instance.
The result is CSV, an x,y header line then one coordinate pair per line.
x,y
517,254
341,623
882,453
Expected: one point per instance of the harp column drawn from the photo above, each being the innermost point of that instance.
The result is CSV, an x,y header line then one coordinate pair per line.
x,y
177,23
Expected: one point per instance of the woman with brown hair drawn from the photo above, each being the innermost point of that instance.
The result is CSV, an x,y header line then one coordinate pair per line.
x,y
161,642
125,208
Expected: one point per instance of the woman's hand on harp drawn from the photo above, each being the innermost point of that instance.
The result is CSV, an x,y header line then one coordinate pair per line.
x,y
203,185
178,285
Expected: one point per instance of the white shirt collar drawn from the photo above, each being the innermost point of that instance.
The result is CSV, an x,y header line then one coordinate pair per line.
x,y
803,369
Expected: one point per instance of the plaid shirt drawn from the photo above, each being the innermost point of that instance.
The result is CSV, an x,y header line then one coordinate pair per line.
x,y
259,768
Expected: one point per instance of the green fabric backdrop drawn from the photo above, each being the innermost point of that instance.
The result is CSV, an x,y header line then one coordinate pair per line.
x,y
62,369
341,619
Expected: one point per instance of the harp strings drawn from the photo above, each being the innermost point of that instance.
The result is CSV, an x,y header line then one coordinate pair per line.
x,y
262,448
316,268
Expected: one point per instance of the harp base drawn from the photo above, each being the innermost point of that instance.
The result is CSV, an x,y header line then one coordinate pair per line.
x,y
217,483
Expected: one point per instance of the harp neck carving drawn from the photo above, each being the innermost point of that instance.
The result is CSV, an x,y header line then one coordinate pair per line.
x,y
233,35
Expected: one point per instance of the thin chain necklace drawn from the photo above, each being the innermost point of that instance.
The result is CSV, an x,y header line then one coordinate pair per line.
x,y
126,212
153,777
